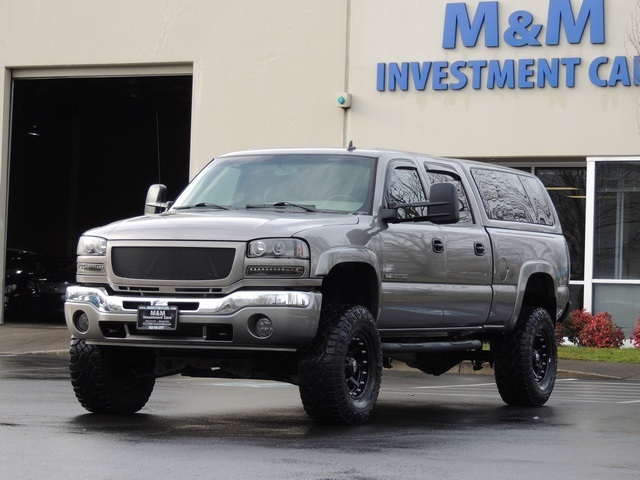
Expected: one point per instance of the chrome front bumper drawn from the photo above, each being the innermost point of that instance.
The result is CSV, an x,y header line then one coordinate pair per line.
x,y
112,319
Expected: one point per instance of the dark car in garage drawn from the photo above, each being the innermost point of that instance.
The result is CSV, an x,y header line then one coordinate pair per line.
x,y
35,285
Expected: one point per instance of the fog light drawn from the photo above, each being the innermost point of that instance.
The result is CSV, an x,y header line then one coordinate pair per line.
x,y
81,321
263,327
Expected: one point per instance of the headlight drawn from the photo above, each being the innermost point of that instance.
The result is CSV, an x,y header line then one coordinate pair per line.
x,y
278,248
92,246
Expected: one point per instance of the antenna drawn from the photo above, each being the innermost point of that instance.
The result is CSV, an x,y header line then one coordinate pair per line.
x,y
351,146
158,145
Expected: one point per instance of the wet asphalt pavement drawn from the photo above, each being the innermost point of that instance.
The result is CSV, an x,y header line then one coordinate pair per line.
x,y
424,427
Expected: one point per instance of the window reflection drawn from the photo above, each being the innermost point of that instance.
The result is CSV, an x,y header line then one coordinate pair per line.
x,y
617,229
405,187
567,189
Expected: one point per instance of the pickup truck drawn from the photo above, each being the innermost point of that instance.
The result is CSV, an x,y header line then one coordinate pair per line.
x,y
320,267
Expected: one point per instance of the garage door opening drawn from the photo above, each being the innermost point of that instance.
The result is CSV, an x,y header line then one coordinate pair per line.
x,y
83,152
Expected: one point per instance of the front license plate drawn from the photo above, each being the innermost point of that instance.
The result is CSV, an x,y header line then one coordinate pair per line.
x,y
157,317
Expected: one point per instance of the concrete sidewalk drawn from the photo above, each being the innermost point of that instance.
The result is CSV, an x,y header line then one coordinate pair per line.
x,y
36,338
33,338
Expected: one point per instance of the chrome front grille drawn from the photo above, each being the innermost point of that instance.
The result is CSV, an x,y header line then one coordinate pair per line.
x,y
172,263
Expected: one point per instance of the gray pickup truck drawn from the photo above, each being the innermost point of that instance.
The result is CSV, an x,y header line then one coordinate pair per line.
x,y
319,267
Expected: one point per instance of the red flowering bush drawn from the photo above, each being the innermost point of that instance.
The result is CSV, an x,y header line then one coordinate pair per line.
x,y
572,327
588,330
601,332
635,336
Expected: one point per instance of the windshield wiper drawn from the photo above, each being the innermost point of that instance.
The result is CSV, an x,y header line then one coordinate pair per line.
x,y
307,208
204,205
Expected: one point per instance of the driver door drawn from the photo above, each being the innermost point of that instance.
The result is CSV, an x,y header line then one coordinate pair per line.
x,y
413,258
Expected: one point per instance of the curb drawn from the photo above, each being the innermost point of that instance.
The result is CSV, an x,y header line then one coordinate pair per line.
x,y
59,353
586,376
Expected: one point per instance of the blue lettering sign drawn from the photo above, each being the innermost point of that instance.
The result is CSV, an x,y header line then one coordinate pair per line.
x,y
561,16
620,72
440,74
420,75
525,73
476,67
500,76
522,31
548,73
381,77
571,63
399,76
458,74
457,19
594,68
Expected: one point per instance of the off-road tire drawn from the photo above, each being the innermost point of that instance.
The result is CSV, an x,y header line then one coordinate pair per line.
x,y
111,379
526,360
341,370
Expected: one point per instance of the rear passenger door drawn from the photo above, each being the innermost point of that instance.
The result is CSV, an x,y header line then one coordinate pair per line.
x,y
468,258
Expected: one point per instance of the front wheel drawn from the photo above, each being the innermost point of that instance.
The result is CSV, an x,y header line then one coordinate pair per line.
x,y
340,371
526,360
111,379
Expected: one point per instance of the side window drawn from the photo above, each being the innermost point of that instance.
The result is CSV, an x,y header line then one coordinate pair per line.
x,y
539,199
405,187
511,197
466,217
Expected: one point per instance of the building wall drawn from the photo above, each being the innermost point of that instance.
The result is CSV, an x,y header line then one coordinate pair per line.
x,y
266,74
581,121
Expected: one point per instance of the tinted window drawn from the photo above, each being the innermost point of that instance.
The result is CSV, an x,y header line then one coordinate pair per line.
x,y
466,216
567,188
405,187
511,197
617,226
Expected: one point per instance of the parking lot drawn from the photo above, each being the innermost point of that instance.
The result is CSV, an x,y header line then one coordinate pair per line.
x,y
447,427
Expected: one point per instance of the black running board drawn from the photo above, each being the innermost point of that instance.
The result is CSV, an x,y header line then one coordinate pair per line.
x,y
431,347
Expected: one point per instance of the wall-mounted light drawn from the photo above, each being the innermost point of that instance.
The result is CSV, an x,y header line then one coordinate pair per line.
x,y
343,100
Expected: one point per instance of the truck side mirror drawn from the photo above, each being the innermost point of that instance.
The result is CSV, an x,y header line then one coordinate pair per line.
x,y
156,201
445,206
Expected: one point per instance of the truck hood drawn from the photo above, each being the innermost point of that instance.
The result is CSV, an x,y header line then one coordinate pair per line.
x,y
228,226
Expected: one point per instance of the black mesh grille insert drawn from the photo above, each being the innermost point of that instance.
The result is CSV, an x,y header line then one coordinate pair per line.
x,y
172,263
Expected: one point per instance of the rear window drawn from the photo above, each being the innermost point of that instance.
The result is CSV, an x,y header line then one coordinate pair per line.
x,y
511,197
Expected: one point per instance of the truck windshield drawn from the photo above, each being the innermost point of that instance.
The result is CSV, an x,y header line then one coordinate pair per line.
x,y
296,182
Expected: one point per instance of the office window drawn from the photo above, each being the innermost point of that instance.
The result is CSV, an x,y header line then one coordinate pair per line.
x,y
567,189
616,222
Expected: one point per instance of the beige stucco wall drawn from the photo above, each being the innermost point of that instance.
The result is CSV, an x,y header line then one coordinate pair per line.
x,y
266,73
585,120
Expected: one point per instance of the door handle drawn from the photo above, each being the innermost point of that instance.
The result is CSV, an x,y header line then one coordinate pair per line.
x,y
437,245
478,249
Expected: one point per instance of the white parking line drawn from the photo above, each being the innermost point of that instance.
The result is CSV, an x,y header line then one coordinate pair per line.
x,y
566,390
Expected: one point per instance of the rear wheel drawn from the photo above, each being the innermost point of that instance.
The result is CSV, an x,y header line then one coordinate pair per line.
x,y
111,379
341,370
526,360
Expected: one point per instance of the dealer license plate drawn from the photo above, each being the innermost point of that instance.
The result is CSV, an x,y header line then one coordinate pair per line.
x,y
157,317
